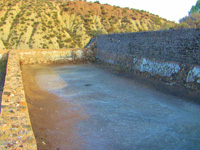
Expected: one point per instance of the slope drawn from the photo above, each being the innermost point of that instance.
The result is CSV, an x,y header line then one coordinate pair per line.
x,y
33,24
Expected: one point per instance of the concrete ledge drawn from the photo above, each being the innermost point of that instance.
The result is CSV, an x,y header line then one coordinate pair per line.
x,y
45,56
16,130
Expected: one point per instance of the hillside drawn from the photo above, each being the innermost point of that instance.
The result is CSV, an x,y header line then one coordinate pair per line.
x,y
32,24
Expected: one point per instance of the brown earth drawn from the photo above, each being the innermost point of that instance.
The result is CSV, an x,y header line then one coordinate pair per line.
x,y
52,120
96,9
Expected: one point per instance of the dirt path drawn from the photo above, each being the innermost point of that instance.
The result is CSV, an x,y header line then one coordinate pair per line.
x,y
52,120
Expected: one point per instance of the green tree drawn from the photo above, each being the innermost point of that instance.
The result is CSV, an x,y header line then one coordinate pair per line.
x,y
195,8
97,2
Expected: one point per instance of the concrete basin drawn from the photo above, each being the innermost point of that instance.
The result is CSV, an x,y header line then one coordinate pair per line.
x,y
85,107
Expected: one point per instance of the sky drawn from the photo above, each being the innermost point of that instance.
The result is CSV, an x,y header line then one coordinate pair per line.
x,y
172,10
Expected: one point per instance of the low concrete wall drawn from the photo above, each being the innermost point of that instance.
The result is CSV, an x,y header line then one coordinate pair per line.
x,y
44,56
15,126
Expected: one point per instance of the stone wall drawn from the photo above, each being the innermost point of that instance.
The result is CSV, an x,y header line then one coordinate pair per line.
x,y
181,46
172,53
16,130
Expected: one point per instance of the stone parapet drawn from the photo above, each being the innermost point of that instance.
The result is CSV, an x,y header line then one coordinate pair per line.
x,y
16,130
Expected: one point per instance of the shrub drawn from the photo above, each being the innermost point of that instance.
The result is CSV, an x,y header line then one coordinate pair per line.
x,y
182,25
22,22
3,18
28,13
134,18
103,12
68,40
103,17
124,11
110,30
87,15
95,33
193,20
167,26
157,21
43,28
125,19
55,15
9,4
65,9
1,23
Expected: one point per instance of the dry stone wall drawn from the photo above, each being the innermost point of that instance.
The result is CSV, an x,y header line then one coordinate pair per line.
x,y
181,46
172,53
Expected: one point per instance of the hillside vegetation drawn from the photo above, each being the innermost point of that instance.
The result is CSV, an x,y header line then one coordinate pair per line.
x,y
193,18
32,24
